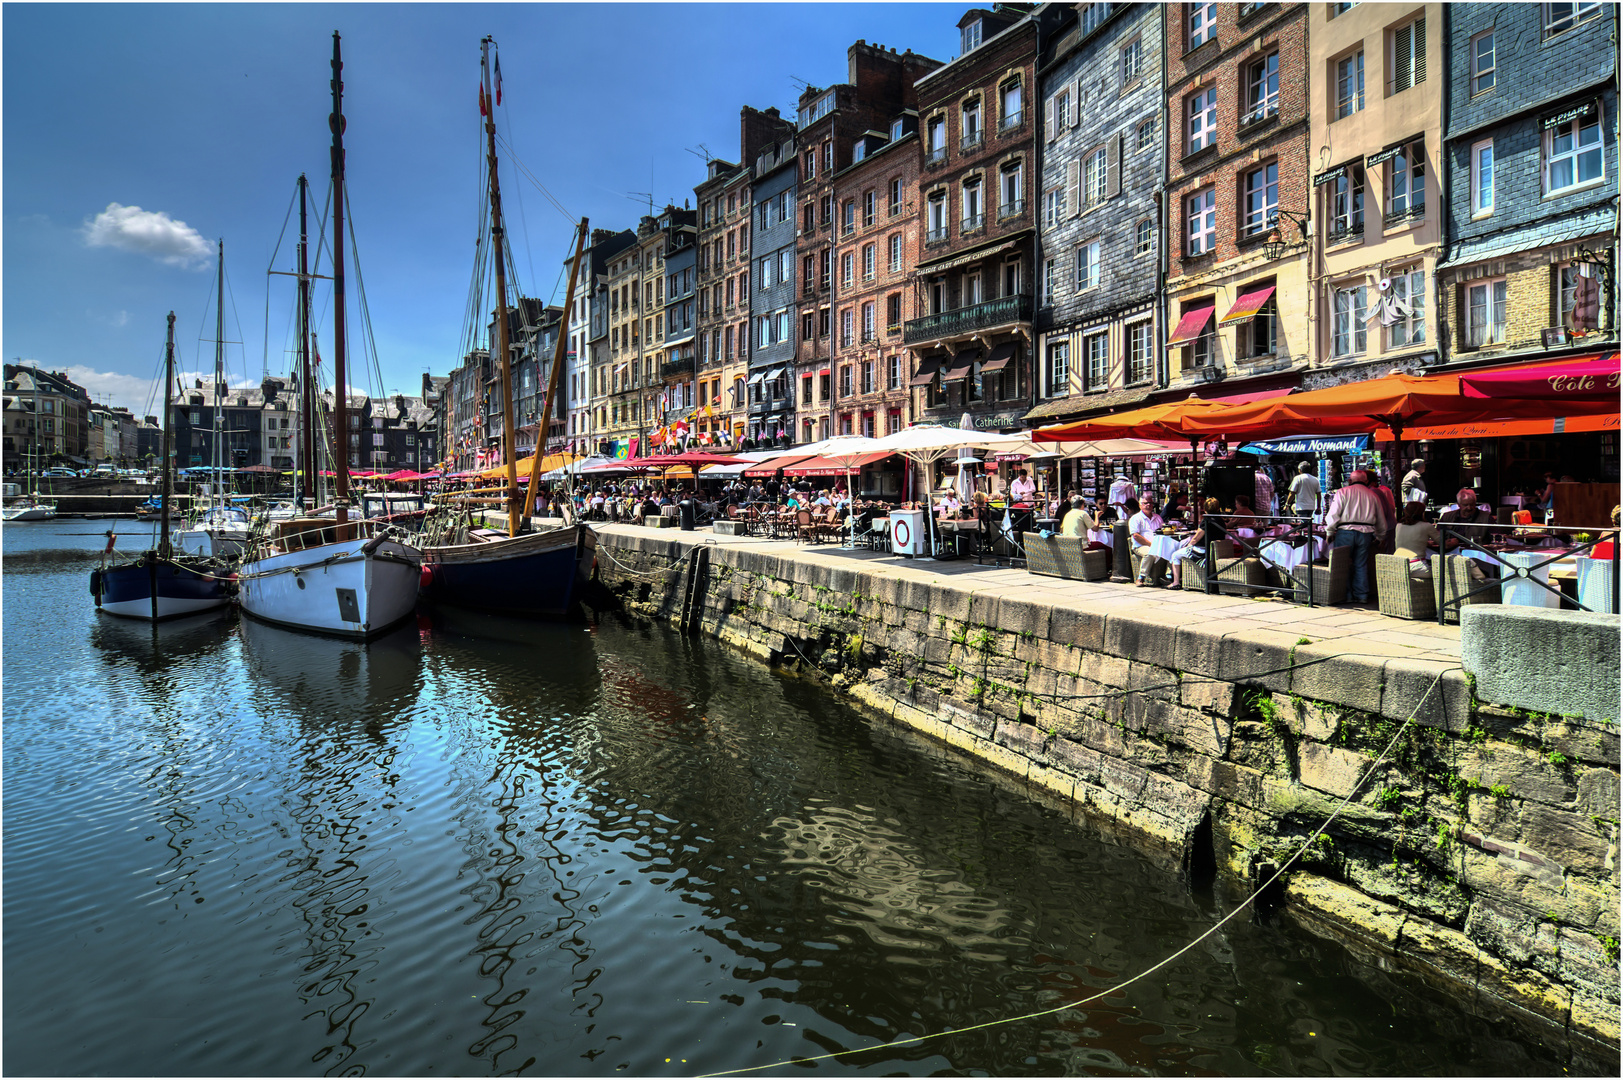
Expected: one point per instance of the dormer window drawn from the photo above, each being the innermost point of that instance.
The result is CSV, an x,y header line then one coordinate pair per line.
x,y
895,129
972,35
859,150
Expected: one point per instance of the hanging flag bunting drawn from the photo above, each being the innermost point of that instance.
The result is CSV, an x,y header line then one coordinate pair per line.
x,y
498,78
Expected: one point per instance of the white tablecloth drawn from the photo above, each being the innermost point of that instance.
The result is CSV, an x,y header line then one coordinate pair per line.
x,y
1164,547
1522,590
1288,557
1107,537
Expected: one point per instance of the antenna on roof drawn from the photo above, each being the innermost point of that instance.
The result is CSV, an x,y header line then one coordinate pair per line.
x,y
639,196
702,152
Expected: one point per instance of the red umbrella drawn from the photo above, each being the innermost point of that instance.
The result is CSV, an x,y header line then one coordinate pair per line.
x,y
692,459
1577,379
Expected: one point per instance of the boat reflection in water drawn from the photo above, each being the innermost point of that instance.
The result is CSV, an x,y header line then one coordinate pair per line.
x,y
316,677
151,647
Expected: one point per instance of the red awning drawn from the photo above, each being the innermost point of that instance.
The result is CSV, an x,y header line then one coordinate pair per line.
x,y
1494,429
926,373
1190,326
962,365
1246,306
1000,357
1247,398
820,466
772,465
822,371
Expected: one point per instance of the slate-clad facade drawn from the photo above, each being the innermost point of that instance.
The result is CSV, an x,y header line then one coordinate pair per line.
x,y
1532,200
770,307
677,371
1103,157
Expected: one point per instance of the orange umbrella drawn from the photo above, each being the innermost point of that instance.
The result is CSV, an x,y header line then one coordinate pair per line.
x,y
1186,419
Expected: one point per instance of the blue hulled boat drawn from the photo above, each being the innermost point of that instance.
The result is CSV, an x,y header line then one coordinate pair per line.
x,y
536,573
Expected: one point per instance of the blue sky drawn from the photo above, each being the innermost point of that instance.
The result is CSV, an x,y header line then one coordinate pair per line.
x,y
136,135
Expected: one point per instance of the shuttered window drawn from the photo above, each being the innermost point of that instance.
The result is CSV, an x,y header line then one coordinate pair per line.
x,y
1409,55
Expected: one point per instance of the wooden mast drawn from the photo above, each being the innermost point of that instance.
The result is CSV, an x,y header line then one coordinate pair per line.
x,y
557,369
488,103
307,382
340,427
219,377
164,549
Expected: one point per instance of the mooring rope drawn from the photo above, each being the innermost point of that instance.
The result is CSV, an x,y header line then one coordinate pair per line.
x,y
1124,984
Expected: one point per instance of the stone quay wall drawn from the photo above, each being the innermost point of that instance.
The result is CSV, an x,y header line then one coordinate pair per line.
x,y
1482,855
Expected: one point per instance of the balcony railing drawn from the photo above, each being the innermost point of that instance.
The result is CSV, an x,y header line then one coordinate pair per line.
x,y
1012,208
967,320
1344,232
936,235
1011,120
971,140
972,222
676,367
936,156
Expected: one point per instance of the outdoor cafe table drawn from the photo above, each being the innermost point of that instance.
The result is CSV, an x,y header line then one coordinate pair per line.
x,y
1107,537
1288,553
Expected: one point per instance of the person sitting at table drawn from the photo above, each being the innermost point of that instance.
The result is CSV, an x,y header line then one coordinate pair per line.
x,y
1244,516
793,501
949,504
1211,531
1357,519
1143,526
1077,521
1468,520
1022,489
1176,503
1413,537
1603,550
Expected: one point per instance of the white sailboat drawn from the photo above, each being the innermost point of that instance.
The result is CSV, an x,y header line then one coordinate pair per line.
x,y
218,530
327,575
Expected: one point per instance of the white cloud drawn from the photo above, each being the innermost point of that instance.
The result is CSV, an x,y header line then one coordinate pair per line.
x,y
149,232
113,388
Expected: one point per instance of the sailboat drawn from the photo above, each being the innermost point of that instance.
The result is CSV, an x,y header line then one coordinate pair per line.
x,y
27,505
326,575
529,571
218,529
159,584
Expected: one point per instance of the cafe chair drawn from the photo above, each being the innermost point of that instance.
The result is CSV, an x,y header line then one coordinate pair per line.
x,y
1451,580
1399,595
1234,579
1330,577
1194,566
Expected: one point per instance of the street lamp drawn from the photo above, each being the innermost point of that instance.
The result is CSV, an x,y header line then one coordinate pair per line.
x,y
1275,245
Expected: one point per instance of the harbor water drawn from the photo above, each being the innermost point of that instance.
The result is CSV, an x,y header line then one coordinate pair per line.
x,y
484,846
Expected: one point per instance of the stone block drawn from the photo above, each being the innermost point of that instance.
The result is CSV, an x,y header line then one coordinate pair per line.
x,y
1569,840
1511,931
1527,774
1110,671
1595,1015
1563,662
1022,618
1583,964
983,608
1330,769
1598,794
1441,955
1314,719
1344,913
1209,695
1025,739
1517,989
1257,656
1434,692
1143,640
1077,760
1353,681
1198,649
729,528
1084,629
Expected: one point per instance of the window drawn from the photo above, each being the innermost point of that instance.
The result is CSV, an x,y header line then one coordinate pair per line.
x,y
808,326
970,129
1060,114
1408,302
1202,120
828,155
1348,330
1096,355
974,212
808,218
845,378
1572,153
896,195
867,375
1092,16
1011,190
849,216
1095,177
1260,335
847,334
1350,84
1408,55
971,35
847,262
868,322
895,129
972,289
822,322
1486,303
893,371
1559,18
828,210
1202,218
1143,237
1262,89
1059,368
1050,271
859,150
1132,61
937,143
1482,178
1347,205
1140,353
806,390
766,272
870,206
1054,206
1202,24
1146,134
1087,265
824,265
867,262
786,264
1202,351
893,311
1406,191
1482,62
1261,198
1009,105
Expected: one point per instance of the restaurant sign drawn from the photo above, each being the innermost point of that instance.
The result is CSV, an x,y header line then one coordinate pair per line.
x,y
1577,112
1333,444
989,423
1329,176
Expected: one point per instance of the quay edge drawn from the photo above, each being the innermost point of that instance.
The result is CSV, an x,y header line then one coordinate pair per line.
x,y
1482,857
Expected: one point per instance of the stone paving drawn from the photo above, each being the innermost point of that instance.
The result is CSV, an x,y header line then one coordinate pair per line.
x,y
1355,631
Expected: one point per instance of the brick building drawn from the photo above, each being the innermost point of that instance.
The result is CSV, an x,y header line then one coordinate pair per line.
x,y
47,418
877,216
972,331
1378,214
1237,139
1103,156
834,122
1532,197
633,376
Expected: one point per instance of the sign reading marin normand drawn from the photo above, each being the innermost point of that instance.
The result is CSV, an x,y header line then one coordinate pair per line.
x,y
1334,444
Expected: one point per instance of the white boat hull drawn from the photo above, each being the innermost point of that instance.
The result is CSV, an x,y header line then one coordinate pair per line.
x,y
214,543
28,513
337,588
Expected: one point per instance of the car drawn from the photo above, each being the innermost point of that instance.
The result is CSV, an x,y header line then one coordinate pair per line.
x,y
104,469
57,472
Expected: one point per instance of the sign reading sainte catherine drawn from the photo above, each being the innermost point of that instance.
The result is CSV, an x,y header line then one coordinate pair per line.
x,y
985,423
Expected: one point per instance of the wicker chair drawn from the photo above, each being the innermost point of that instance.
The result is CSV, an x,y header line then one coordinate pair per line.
x,y
1233,578
1451,578
1194,566
1399,595
1330,577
